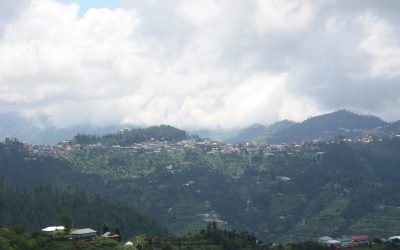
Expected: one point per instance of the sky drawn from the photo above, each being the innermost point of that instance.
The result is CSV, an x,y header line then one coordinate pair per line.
x,y
198,63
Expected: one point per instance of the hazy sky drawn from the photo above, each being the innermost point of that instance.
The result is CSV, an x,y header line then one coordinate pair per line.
x,y
198,63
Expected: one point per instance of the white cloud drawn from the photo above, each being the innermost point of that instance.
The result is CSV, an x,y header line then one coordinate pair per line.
x,y
382,44
226,63
283,15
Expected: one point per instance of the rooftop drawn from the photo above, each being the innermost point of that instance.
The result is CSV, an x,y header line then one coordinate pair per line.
x,y
83,231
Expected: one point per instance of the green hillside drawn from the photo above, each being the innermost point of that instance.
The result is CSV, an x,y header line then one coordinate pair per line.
x,y
293,194
328,126
328,195
133,135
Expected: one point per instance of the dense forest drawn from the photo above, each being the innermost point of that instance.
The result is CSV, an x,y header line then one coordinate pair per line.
x,y
45,206
127,137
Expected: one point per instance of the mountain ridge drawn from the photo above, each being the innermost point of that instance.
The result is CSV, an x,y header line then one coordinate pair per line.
x,y
320,127
328,126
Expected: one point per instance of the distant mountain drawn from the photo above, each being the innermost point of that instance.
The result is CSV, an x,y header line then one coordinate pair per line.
x,y
258,132
41,131
248,134
216,134
255,132
392,128
329,126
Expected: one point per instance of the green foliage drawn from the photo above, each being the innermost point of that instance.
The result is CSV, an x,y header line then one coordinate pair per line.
x,y
11,239
45,206
328,126
134,135
66,220
352,188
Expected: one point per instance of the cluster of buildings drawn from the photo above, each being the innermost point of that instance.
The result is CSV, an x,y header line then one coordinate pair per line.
x,y
344,241
205,146
351,241
80,234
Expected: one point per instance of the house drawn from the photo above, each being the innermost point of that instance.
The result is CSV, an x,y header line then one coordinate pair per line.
x,y
129,243
52,229
84,234
324,239
394,239
109,235
359,239
335,243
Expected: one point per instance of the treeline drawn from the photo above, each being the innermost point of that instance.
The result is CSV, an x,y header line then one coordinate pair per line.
x,y
46,206
210,238
128,137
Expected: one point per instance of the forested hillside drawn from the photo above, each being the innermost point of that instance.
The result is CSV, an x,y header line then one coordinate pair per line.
x,y
36,191
46,206
328,126
286,193
259,132
290,195
134,135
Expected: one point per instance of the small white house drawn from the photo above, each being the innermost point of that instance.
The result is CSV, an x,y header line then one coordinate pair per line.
x,y
129,243
393,238
324,239
52,229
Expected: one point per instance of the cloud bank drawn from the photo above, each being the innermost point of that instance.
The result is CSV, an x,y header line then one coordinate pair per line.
x,y
199,64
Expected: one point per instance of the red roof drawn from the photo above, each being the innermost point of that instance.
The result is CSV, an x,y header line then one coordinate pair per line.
x,y
359,237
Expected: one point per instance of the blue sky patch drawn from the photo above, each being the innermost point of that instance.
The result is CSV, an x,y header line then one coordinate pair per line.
x,y
88,4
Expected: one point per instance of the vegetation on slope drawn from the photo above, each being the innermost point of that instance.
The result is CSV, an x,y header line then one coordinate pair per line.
x,y
328,127
135,135
285,196
45,206
16,238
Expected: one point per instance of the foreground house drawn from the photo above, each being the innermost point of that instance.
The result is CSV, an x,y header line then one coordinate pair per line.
x,y
52,229
84,234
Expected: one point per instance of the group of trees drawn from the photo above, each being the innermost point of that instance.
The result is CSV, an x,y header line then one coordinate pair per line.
x,y
135,135
45,206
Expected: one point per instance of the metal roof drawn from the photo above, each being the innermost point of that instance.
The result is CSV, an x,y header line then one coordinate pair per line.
x,y
83,231
53,228
325,238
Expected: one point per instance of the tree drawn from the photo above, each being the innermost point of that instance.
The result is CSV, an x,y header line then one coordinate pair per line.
x,y
66,220
214,225
105,228
116,231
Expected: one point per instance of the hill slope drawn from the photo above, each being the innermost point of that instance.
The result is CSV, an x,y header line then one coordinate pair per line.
x,y
300,192
128,137
328,127
278,193
56,189
258,132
